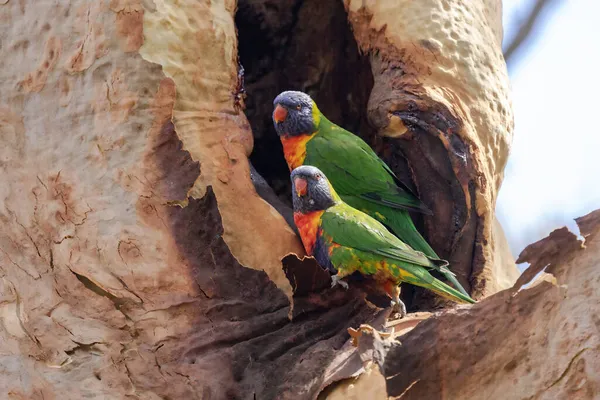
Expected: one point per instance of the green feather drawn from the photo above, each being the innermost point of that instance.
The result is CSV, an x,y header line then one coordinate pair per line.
x,y
352,228
403,226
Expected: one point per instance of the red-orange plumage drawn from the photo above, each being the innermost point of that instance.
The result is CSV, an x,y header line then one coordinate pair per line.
x,y
308,225
331,246
294,149
389,287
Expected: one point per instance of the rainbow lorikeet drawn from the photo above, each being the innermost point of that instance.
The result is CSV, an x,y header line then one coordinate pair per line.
x,y
360,177
345,240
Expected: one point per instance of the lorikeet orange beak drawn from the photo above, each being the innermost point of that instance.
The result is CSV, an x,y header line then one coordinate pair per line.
x,y
301,185
280,114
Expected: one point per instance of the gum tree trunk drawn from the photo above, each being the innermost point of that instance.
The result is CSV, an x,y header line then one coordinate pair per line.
x,y
137,258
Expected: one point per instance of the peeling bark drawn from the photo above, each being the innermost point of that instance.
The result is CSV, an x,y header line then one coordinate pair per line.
x,y
200,55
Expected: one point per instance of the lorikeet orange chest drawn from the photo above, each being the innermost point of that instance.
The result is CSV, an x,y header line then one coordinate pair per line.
x,y
315,243
308,227
294,149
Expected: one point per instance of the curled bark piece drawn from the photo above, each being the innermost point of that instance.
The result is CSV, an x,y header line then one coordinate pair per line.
x,y
587,223
546,253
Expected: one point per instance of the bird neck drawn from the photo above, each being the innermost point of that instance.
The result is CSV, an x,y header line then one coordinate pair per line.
x,y
336,198
316,114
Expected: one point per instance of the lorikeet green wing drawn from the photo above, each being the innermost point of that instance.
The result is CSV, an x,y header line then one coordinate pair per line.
x,y
357,242
356,171
366,183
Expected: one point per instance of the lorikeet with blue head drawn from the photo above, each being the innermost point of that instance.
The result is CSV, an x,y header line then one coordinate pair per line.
x,y
345,240
360,177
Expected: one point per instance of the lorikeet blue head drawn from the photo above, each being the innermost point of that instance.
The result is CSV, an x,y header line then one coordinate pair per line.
x,y
295,114
311,190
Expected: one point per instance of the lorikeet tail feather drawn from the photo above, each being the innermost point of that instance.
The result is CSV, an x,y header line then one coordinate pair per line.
x,y
403,227
452,278
448,292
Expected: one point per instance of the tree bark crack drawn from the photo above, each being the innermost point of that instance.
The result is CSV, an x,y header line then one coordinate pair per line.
x,y
34,277
118,302
566,371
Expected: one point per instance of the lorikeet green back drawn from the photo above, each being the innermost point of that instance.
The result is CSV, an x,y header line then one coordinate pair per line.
x,y
358,175
345,240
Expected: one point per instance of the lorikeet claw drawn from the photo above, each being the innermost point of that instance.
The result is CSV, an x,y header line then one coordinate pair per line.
x,y
398,308
336,280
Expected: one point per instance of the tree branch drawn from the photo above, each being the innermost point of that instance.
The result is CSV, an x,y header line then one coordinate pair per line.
x,y
526,27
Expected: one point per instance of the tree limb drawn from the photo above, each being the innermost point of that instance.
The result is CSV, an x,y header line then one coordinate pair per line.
x,y
526,27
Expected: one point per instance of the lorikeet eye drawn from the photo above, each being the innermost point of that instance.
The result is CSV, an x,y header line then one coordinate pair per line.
x,y
299,107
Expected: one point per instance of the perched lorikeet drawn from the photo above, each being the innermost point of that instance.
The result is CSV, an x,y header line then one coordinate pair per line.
x,y
345,240
360,177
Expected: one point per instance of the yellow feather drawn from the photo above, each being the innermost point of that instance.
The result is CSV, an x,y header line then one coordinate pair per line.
x,y
405,274
316,114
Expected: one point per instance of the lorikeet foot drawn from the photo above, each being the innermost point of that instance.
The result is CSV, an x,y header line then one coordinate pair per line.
x,y
336,280
398,309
